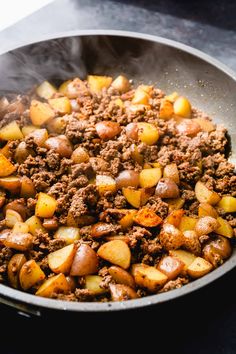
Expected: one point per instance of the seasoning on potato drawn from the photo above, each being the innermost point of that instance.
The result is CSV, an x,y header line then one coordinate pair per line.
x,y
111,191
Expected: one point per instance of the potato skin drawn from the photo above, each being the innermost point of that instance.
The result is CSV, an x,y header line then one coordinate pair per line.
x,y
170,237
121,292
85,261
167,188
121,276
217,250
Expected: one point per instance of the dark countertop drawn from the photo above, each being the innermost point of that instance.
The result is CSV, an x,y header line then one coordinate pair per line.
x,y
200,323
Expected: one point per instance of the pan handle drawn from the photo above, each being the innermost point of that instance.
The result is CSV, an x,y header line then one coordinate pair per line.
x,y
23,310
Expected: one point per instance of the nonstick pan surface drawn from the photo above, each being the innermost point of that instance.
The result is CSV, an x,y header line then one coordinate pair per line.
x,y
172,66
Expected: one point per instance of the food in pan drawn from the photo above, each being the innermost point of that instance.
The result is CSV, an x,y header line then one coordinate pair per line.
x,y
111,191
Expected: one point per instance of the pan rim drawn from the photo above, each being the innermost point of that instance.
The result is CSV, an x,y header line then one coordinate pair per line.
x,y
51,304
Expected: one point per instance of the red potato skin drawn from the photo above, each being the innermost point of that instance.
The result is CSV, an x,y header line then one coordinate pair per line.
x,y
85,261
107,130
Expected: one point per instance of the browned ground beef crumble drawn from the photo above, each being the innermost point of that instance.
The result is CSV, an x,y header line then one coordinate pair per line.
x,y
199,157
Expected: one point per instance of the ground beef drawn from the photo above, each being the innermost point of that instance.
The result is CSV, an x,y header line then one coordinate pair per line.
x,y
174,284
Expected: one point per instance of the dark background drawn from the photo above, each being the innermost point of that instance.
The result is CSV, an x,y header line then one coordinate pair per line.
x,y
203,322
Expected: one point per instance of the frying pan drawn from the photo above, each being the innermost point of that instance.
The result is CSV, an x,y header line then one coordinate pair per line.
x,y
172,66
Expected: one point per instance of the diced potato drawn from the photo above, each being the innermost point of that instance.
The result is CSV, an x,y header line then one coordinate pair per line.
x,y
217,250
19,241
11,131
12,217
46,90
20,227
64,87
6,167
171,266
228,204
146,88
166,109
80,155
119,102
45,206
101,229
127,178
121,292
61,260
27,188
133,196
167,188
116,252
206,209
19,206
187,223
39,136
149,177
92,283
172,97
71,282
35,225
128,220
175,217
171,171
97,83
147,217
40,112
186,257
191,242
206,225
28,129
205,195
188,127
148,133
121,84
57,125
60,144
105,184
52,285
61,105
199,267
225,228
205,124
107,130
68,233
121,276
6,150
13,269
12,184
140,97
175,204
124,238
148,277
170,237
79,221
182,107
136,156
85,261
22,152
50,224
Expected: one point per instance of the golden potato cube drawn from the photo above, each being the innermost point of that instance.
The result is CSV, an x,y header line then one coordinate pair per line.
x,y
97,83
20,227
46,90
182,107
175,217
172,97
186,257
19,241
133,196
187,223
57,125
27,129
11,131
63,88
61,260
35,225
121,84
147,217
166,109
40,112
149,177
205,195
228,204
119,102
206,209
92,283
205,124
140,97
52,285
148,277
225,228
85,261
30,274
128,220
27,188
147,133
136,156
116,252
105,184
199,267
12,184
13,269
122,292
45,206
171,266
175,204
171,171
121,276
6,167
12,217
61,105
69,234
6,150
